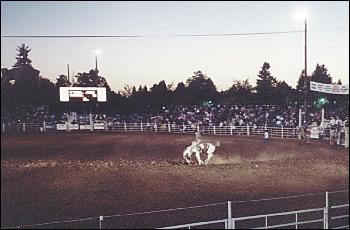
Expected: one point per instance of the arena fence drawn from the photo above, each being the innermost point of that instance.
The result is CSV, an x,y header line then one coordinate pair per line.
x,y
333,215
274,132
246,130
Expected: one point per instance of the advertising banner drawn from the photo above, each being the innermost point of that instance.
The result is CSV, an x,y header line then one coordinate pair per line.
x,y
74,126
84,127
329,88
99,126
61,126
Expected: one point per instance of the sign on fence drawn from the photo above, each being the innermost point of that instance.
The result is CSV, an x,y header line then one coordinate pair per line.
x,y
61,126
74,126
84,127
99,126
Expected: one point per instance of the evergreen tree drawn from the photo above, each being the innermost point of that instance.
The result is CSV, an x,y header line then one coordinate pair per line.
x,y
265,84
62,81
201,88
239,93
91,79
22,56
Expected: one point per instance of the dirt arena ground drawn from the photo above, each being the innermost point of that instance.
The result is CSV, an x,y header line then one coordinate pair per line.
x,y
61,176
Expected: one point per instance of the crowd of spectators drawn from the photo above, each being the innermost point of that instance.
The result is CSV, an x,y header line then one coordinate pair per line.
x,y
25,113
218,115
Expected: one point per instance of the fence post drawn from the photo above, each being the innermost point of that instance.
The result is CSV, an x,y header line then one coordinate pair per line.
x,y
326,213
67,127
124,126
231,129
44,126
198,128
3,127
247,130
155,126
282,131
141,127
229,213
322,115
24,126
214,130
169,127
346,144
100,221
106,125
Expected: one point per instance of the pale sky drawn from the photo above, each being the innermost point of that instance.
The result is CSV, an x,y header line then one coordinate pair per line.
x,y
148,60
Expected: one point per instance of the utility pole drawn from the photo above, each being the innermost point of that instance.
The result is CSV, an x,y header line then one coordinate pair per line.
x,y
305,76
68,75
95,59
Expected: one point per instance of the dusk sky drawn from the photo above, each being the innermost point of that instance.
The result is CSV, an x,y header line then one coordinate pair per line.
x,y
158,56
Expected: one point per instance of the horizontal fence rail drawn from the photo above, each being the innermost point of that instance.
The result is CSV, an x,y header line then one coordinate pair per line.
x,y
230,222
274,132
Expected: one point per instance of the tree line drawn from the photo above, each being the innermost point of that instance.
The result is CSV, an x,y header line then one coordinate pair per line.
x,y
23,85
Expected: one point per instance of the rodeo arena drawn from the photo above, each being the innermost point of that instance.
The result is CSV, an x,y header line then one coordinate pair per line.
x,y
221,166
77,155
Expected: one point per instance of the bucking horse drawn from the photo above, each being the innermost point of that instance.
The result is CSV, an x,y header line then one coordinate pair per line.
x,y
200,148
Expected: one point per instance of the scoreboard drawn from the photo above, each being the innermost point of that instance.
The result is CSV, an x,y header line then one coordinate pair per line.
x,y
83,94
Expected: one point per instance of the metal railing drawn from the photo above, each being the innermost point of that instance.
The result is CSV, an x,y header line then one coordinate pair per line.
x,y
274,132
230,222
294,223
338,217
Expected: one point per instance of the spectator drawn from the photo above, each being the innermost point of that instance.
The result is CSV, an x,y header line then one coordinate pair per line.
x,y
266,137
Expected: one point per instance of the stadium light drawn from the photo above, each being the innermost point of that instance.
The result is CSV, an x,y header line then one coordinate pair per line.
x,y
301,14
97,52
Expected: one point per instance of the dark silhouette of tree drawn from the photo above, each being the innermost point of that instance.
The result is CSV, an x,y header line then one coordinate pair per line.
x,y
127,90
300,83
239,93
22,56
25,81
201,88
180,95
48,94
283,94
62,81
265,84
320,75
91,79
160,96
139,100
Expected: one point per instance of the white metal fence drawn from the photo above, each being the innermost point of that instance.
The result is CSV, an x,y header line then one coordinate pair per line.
x,y
323,215
274,132
326,217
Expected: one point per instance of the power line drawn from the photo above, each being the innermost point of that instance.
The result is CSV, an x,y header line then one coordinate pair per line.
x,y
171,35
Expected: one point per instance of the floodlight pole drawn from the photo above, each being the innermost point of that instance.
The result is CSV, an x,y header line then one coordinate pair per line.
x,y
305,73
95,59
68,75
